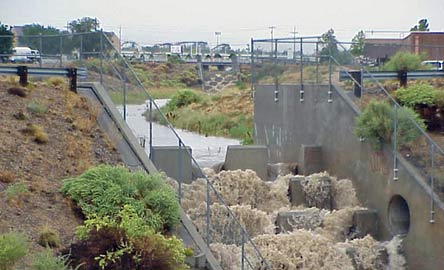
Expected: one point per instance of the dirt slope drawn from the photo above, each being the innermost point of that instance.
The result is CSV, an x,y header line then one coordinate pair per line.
x,y
74,143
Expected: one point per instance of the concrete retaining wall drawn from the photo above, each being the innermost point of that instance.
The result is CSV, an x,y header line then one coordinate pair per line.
x,y
244,157
287,124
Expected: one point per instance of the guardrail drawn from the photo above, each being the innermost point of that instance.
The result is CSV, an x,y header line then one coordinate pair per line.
x,y
24,71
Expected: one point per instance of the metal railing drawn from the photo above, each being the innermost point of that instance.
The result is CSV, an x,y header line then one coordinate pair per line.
x,y
314,60
96,53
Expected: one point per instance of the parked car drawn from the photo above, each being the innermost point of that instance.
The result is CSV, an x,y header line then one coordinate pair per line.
x,y
434,64
24,55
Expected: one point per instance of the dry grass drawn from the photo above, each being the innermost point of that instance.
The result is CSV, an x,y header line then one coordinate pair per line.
x,y
40,136
49,237
7,176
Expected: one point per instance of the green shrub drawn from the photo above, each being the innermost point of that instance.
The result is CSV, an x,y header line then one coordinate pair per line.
x,y
13,247
403,61
376,124
183,98
104,190
417,94
45,260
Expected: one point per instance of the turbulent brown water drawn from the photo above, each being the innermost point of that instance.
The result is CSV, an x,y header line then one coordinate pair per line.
x,y
256,204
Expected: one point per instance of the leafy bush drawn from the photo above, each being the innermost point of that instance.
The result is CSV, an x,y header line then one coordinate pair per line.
x,y
13,247
45,260
108,243
104,190
376,124
403,61
417,94
183,98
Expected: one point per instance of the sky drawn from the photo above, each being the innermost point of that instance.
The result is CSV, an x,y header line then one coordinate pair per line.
x,y
149,22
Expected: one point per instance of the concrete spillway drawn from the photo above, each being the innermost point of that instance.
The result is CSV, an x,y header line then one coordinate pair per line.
x,y
405,206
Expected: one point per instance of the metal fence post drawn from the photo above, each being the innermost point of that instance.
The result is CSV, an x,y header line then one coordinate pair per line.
x,y
302,69
151,128
395,142
432,186
61,50
40,48
81,48
124,96
179,169
329,73
317,62
243,248
252,68
208,213
276,80
101,56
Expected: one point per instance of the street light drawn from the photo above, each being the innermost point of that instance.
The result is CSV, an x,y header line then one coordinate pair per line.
x,y
217,37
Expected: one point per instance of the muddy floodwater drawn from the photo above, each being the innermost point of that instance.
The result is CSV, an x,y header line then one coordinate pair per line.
x,y
206,150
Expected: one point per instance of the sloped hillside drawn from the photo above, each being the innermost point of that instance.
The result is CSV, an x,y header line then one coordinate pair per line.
x,y
47,134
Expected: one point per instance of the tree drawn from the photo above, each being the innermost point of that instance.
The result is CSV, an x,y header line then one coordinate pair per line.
x,y
357,48
330,48
6,40
88,38
30,38
84,25
423,25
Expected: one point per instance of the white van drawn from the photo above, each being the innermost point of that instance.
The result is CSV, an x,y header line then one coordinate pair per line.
x,y
434,64
24,55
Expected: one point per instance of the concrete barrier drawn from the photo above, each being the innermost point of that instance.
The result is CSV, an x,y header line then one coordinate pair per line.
x,y
254,157
166,158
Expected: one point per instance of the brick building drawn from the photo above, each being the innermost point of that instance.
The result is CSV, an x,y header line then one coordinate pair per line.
x,y
430,44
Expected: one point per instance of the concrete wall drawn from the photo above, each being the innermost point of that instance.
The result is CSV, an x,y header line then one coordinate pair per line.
x,y
244,157
166,158
287,124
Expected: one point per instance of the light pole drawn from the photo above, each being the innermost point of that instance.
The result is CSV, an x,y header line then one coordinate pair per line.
x,y
217,37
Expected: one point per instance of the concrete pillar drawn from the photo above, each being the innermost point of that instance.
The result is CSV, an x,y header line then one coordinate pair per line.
x,y
365,221
311,160
242,157
166,158
296,190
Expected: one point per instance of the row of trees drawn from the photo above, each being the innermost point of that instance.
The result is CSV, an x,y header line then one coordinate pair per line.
x,y
49,40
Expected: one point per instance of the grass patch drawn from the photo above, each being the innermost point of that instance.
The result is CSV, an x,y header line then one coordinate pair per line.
x,y
228,114
49,238
15,191
45,260
37,107
13,247
40,136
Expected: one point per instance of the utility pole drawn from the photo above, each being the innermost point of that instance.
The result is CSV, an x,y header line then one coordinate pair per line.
x,y
272,37
120,38
294,41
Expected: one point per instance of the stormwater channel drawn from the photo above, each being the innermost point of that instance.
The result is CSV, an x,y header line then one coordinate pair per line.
x,y
206,150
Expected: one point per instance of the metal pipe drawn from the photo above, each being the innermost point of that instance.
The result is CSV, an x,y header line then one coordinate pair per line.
x,y
124,97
